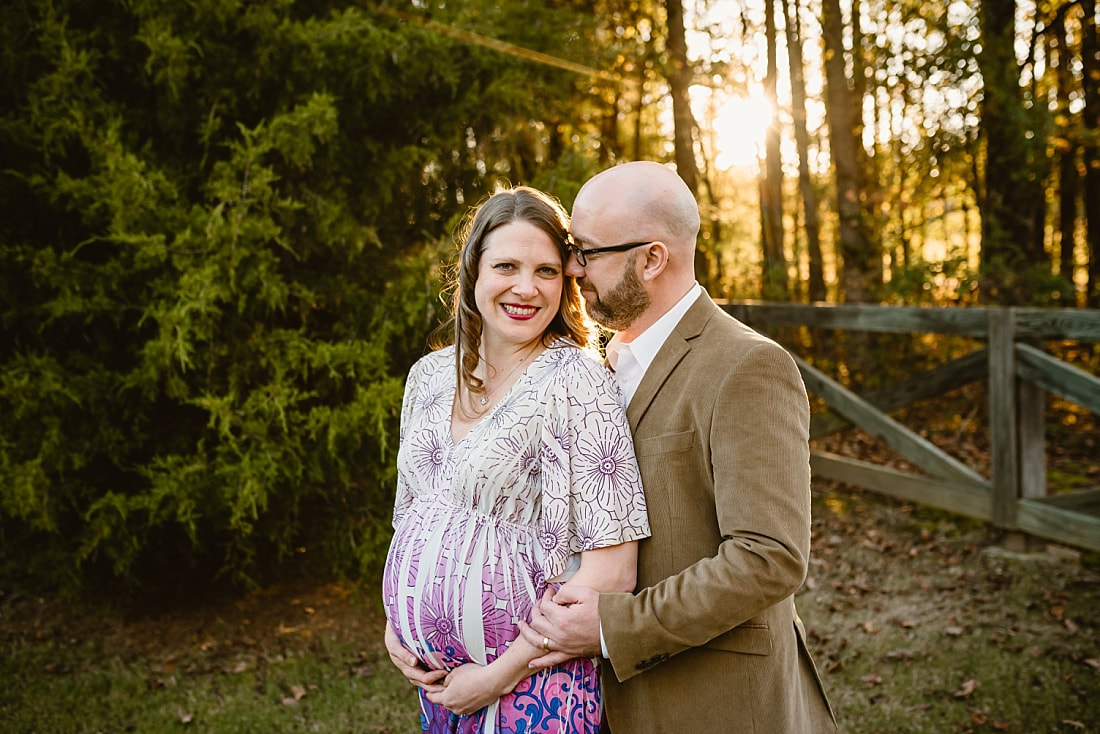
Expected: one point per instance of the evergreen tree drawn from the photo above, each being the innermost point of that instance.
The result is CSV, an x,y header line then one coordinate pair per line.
x,y
220,254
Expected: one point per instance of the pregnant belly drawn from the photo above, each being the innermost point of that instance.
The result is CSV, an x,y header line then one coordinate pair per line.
x,y
455,592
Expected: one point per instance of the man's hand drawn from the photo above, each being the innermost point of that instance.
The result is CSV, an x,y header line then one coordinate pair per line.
x,y
468,688
568,622
409,666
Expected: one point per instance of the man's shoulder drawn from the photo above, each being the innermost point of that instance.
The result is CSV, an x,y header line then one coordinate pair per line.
x,y
718,325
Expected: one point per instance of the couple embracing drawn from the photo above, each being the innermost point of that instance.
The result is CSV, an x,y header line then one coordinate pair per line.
x,y
580,545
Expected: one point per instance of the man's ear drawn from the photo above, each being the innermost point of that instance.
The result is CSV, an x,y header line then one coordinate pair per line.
x,y
656,260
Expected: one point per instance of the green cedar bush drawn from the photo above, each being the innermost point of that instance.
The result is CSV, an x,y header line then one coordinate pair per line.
x,y
223,230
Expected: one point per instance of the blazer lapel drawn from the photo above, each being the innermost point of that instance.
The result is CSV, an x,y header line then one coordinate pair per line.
x,y
674,349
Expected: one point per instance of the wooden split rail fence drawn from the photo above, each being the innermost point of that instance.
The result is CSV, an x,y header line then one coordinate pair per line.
x,y
1018,374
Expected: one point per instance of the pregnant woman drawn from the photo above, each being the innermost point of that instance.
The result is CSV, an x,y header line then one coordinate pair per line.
x,y
516,471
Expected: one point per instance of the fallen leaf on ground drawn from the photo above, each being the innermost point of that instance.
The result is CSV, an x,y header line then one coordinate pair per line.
x,y
968,687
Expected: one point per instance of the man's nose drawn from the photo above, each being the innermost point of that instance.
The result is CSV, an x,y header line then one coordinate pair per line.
x,y
573,268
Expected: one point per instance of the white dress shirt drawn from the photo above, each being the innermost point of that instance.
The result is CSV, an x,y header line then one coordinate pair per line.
x,y
630,360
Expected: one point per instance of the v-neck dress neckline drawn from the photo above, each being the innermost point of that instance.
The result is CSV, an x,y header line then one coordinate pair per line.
x,y
503,399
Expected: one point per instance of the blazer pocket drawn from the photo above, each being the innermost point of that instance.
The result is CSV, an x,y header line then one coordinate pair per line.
x,y
751,639
667,444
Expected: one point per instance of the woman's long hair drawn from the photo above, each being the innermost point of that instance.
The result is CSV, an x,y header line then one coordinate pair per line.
x,y
520,204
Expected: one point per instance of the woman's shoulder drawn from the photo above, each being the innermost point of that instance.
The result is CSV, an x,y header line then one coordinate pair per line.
x,y
572,361
565,352
433,362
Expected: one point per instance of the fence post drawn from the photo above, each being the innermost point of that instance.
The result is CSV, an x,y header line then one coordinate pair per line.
x,y
1002,415
1032,405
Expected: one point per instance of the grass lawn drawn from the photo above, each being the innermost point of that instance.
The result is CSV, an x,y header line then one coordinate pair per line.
x,y
920,622
301,659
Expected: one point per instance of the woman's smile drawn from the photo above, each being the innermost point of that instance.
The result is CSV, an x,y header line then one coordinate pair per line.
x,y
520,312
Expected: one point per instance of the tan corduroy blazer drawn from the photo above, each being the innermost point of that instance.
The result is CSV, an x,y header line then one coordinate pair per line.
x,y
710,641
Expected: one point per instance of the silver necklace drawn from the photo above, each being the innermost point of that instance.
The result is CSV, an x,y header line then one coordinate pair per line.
x,y
504,380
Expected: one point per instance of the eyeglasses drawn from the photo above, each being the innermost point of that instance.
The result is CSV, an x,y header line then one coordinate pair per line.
x,y
582,255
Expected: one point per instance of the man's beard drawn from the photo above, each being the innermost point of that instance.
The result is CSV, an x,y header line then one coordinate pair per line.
x,y
622,305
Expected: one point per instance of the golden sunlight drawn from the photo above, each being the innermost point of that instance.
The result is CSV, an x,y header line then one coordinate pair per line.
x,y
739,129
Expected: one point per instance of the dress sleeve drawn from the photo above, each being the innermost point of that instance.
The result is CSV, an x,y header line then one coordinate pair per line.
x,y
404,494
591,487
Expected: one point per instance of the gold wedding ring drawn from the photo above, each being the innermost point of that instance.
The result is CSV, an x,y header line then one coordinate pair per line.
x,y
546,644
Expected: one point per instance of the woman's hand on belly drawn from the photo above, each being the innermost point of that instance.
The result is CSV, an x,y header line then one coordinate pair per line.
x,y
410,667
471,687
468,688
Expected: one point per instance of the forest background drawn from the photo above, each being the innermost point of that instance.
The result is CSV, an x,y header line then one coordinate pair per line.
x,y
227,225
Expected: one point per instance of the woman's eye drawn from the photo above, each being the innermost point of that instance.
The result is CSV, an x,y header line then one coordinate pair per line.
x,y
549,272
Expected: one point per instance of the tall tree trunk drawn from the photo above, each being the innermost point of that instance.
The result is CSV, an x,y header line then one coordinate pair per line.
x,y
1011,163
1090,58
1069,189
897,191
639,116
842,111
802,142
1064,244
774,282
612,99
679,82
869,167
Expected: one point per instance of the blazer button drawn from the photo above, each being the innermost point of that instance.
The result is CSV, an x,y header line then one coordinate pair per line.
x,y
650,662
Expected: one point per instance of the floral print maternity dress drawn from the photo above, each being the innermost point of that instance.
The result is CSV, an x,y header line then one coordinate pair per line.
x,y
482,524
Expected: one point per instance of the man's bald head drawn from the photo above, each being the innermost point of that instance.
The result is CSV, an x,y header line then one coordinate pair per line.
x,y
650,196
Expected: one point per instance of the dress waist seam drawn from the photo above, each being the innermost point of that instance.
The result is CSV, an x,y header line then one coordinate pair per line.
x,y
436,500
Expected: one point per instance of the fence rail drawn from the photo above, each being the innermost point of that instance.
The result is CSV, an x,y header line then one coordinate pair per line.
x,y
1018,374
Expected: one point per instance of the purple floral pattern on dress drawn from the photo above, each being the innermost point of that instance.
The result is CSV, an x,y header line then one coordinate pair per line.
x,y
482,524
